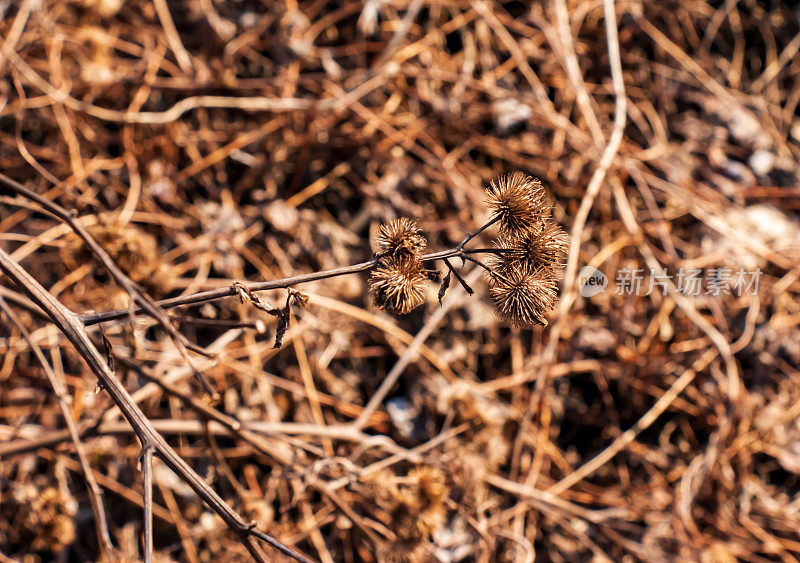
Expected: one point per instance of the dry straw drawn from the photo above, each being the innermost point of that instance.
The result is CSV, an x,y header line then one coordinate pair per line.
x,y
313,117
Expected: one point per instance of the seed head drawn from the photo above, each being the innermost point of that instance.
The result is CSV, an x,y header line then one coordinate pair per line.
x,y
398,284
523,296
542,247
401,236
519,201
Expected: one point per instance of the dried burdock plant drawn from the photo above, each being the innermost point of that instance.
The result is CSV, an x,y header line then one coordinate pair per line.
x,y
530,251
523,274
529,255
522,295
401,236
398,284
517,202
522,280
543,247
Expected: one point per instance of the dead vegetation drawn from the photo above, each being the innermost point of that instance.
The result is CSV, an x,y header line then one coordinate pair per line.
x,y
203,143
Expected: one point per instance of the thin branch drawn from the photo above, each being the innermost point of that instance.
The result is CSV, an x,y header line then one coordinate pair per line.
x,y
209,413
474,234
458,277
146,461
234,289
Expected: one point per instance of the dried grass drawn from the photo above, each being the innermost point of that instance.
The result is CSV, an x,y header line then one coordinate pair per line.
x,y
205,142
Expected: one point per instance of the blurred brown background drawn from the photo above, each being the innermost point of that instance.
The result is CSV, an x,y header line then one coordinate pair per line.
x,y
204,141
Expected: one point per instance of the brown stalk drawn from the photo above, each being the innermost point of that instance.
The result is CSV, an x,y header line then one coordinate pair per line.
x,y
216,294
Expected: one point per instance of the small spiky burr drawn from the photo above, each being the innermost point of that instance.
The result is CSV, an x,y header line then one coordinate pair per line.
x,y
523,296
398,284
517,202
401,236
545,246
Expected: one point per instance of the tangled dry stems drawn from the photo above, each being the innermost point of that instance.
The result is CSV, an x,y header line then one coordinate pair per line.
x,y
259,143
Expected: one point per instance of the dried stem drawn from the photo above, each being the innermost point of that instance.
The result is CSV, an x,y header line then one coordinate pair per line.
x,y
146,462
474,234
216,294
458,276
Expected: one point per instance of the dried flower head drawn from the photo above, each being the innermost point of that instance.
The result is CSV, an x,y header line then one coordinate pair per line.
x,y
423,501
416,506
132,249
518,201
398,284
543,247
43,517
522,295
401,235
